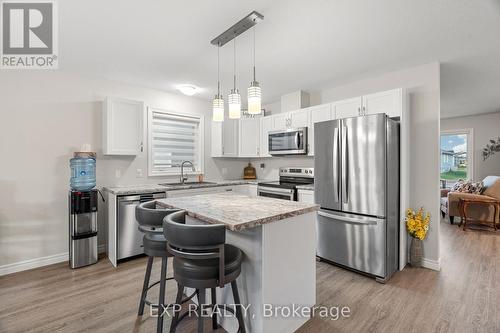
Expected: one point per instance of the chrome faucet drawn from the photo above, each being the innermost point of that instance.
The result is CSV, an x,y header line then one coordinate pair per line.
x,y
184,178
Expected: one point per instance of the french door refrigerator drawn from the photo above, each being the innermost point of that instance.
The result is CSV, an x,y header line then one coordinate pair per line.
x,y
357,186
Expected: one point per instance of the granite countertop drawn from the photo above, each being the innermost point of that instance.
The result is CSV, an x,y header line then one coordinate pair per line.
x,y
150,188
308,187
238,212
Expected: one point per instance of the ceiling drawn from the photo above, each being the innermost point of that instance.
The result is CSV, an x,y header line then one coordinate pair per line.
x,y
300,44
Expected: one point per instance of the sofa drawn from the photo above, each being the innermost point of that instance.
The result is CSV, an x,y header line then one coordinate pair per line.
x,y
491,192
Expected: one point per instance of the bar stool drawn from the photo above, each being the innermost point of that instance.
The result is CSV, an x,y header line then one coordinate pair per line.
x,y
150,221
202,260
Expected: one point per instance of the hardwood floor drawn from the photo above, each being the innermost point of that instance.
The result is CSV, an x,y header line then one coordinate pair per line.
x,y
463,297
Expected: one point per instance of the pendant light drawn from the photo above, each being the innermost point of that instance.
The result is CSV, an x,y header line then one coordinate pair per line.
x,y
234,97
254,93
218,102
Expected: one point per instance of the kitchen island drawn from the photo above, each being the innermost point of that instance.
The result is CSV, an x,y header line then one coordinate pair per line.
x,y
278,240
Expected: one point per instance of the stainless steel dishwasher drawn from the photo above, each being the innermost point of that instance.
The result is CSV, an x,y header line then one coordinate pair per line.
x,y
129,240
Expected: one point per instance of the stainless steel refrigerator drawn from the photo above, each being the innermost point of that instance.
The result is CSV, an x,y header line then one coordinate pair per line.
x,y
356,184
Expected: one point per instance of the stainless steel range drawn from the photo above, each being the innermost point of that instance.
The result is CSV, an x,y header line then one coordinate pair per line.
x,y
286,187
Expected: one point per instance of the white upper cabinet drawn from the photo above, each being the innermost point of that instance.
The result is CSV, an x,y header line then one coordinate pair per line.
x,y
249,138
230,138
388,102
224,138
299,118
266,125
317,114
123,127
216,139
347,108
280,121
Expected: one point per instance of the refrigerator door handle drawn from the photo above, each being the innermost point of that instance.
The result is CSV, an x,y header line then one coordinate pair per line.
x,y
335,170
345,185
353,220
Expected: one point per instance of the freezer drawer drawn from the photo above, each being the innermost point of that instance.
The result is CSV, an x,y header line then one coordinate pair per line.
x,y
357,242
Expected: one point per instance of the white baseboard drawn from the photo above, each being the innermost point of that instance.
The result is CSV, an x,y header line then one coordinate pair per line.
x,y
40,262
33,263
431,264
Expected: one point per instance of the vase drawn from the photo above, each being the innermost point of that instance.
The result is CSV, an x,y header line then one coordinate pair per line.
x,y
416,252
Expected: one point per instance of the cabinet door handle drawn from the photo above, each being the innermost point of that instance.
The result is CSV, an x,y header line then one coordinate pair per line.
x,y
359,111
142,147
364,111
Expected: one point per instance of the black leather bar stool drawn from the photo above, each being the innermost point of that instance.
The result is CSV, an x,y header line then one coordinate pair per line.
x,y
150,220
202,260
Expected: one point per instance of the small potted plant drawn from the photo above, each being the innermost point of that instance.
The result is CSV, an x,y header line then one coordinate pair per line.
x,y
417,224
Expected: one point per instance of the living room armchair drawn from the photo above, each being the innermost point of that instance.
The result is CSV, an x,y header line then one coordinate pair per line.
x,y
450,201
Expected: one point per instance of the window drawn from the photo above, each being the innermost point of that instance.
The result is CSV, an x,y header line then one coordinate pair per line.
x,y
174,138
456,156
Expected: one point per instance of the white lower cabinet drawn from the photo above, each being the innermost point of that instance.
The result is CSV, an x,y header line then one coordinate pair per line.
x,y
246,189
198,191
306,196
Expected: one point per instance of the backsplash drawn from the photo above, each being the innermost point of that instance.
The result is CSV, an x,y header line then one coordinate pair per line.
x,y
272,165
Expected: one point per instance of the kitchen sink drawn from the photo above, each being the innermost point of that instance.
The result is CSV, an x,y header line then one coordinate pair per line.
x,y
186,183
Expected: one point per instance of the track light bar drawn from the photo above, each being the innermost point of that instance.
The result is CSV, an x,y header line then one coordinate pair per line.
x,y
243,25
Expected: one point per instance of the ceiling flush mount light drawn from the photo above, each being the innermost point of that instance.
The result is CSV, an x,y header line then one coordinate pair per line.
x,y
254,92
234,98
218,102
188,89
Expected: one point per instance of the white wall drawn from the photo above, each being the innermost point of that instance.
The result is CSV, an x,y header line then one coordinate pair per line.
x,y
423,86
485,127
45,117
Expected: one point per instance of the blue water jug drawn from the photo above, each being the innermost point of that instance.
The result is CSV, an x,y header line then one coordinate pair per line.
x,y
82,173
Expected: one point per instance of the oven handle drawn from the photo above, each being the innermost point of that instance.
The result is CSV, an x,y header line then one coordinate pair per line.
x,y
275,190
289,194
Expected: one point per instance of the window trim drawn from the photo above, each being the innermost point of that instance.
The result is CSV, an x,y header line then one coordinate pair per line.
x,y
201,142
470,147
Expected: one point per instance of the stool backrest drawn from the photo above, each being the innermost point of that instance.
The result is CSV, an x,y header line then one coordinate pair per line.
x,y
150,217
195,242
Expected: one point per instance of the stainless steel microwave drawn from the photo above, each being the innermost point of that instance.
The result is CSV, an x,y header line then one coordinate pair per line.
x,y
288,142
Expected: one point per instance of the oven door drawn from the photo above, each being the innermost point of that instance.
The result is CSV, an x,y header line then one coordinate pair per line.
x,y
289,142
276,193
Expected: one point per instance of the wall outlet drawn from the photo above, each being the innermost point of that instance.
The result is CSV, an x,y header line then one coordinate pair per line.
x,y
224,171
138,173
262,165
118,173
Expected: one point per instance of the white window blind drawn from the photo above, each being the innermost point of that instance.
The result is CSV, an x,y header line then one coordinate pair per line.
x,y
174,138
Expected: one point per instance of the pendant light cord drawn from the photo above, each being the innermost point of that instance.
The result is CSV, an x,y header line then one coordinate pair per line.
x,y
234,63
218,70
254,52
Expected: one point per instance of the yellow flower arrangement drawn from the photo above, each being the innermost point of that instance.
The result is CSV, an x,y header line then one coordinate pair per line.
x,y
417,223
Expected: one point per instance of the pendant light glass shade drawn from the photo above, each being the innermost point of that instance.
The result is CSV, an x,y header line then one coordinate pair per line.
x,y
218,108
234,97
254,98
218,102
234,102
254,92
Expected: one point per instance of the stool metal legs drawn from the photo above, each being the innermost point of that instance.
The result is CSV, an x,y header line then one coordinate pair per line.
x,y
214,315
145,286
201,301
178,300
237,302
161,300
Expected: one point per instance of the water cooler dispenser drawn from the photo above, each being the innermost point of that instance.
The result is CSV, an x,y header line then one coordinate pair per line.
x,y
83,210
83,228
